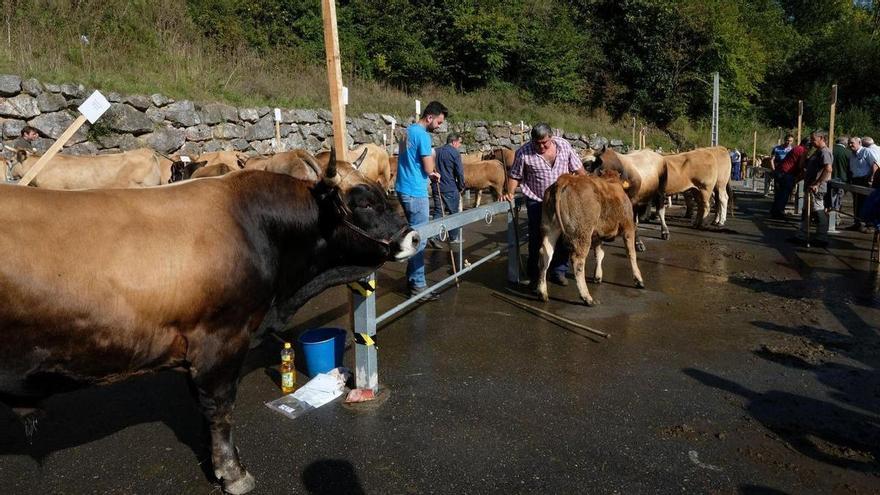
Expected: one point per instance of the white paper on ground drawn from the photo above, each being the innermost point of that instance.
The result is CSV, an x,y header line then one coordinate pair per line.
x,y
323,388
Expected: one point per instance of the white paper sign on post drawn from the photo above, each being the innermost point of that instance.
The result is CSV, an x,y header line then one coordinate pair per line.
x,y
345,95
418,108
94,106
277,115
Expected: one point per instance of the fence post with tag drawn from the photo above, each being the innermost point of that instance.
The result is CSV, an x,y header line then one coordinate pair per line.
x,y
363,325
91,109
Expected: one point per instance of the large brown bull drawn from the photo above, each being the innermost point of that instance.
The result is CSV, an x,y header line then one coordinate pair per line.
x,y
296,163
487,174
654,176
118,283
136,168
586,210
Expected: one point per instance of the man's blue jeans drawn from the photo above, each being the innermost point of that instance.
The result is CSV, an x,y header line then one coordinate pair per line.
x,y
416,211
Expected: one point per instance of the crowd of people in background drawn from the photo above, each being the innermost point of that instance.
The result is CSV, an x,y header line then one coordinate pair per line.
x,y
852,160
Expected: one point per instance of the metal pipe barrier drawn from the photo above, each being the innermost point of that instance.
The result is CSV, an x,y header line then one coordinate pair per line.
x,y
837,184
364,319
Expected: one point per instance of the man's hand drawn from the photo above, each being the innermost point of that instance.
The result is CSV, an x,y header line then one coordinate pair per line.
x,y
434,176
814,188
507,197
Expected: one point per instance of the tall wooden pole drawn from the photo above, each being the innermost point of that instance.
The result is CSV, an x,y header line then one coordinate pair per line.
x,y
833,112
755,148
334,76
52,151
634,133
800,120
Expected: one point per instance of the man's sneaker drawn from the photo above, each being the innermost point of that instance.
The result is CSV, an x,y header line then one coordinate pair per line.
x,y
427,297
557,279
856,227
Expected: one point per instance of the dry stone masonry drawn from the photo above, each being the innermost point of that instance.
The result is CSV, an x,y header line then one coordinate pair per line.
x,y
168,126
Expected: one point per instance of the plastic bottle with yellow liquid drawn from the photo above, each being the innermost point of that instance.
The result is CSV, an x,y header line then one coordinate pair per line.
x,y
288,372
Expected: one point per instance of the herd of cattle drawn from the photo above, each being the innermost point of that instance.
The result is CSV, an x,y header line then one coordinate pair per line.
x,y
124,279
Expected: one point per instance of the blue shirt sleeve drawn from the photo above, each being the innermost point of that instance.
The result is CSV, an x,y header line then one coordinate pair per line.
x,y
423,147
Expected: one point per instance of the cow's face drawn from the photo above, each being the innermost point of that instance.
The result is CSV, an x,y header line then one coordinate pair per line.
x,y
605,159
181,170
361,218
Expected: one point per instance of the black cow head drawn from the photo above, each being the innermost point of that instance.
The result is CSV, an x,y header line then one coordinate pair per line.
x,y
181,170
356,214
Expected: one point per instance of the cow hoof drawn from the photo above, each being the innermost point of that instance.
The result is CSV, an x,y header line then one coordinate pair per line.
x,y
596,280
543,296
664,236
590,302
240,486
640,284
640,247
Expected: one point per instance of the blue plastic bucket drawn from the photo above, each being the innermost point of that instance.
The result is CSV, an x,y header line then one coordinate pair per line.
x,y
322,348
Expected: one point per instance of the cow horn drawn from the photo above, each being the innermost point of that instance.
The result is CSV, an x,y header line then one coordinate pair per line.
x,y
360,161
330,177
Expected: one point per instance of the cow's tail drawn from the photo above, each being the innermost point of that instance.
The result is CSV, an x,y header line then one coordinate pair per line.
x,y
557,205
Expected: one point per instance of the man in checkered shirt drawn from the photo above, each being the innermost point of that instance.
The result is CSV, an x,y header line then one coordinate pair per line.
x,y
537,166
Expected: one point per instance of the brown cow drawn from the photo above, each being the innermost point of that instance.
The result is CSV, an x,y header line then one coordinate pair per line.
x,y
132,290
472,157
295,163
488,174
392,166
215,170
375,165
235,160
136,168
587,210
707,170
503,155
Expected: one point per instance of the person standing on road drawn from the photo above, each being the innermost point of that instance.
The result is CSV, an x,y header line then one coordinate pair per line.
x,y
873,158
448,189
780,151
735,161
816,177
860,175
786,173
537,165
841,170
415,166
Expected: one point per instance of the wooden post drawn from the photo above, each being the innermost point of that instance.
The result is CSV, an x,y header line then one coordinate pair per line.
x,y
754,148
53,150
278,147
334,76
634,133
800,120
833,112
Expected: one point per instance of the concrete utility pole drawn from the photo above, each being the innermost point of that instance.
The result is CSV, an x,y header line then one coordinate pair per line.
x,y
716,83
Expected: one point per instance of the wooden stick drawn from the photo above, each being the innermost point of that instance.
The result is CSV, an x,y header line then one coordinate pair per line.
x,y
529,307
52,151
278,137
809,207
334,75
800,119
833,112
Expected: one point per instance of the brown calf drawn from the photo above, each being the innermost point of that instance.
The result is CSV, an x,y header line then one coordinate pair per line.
x,y
587,210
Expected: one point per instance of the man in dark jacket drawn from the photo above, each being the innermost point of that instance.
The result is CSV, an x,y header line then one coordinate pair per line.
x,y
451,181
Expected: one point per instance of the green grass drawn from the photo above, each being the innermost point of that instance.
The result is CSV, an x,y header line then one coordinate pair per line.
x,y
145,47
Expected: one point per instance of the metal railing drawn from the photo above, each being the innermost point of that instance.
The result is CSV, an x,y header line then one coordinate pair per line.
x,y
363,302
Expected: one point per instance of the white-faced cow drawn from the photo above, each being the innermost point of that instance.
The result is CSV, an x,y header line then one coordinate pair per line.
x,y
117,282
586,210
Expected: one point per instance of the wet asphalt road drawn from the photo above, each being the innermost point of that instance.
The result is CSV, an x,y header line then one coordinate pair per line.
x,y
748,365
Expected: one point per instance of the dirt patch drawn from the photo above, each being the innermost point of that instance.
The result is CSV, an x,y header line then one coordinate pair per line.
x,y
799,352
724,251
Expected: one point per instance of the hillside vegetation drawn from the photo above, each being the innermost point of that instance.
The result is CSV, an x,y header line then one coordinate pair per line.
x,y
582,65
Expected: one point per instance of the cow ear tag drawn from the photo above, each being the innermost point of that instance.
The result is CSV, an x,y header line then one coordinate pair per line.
x,y
626,184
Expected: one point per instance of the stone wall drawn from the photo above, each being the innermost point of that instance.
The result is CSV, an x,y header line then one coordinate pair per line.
x,y
185,127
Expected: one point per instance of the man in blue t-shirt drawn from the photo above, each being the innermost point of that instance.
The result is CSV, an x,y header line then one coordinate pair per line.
x,y
415,167
735,170
780,151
